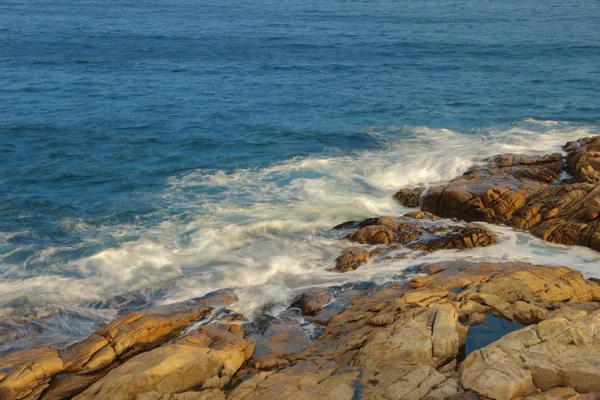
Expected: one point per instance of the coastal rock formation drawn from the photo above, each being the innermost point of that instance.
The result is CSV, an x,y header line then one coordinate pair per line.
x,y
494,192
205,358
402,342
525,192
25,374
51,374
397,341
416,231
555,353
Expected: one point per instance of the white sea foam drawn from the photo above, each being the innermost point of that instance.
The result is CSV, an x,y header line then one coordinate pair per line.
x,y
265,231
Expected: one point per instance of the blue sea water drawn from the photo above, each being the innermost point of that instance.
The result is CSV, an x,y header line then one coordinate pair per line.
x,y
174,147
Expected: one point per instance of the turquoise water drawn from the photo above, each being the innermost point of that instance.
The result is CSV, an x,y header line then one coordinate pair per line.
x,y
176,147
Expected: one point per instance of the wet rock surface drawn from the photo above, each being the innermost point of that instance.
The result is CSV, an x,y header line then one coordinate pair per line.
x,y
526,192
416,231
410,197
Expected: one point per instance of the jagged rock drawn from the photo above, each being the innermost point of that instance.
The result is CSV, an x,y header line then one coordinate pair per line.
x,y
417,231
555,353
524,192
392,357
25,374
495,192
313,300
410,197
583,159
130,334
84,363
565,214
354,257
399,341
205,358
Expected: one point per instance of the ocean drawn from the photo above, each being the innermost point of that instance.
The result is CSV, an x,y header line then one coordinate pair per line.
x,y
152,152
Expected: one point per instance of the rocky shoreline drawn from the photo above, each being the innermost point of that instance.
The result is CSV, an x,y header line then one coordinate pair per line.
x,y
459,330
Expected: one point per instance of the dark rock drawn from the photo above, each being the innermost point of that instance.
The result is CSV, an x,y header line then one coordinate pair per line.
x,y
410,197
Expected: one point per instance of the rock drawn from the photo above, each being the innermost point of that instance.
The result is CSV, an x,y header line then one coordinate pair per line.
x,y
78,366
565,214
130,334
372,350
25,374
356,224
555,353
214,394
524,192
313,300
205,358
354,257
460,238
410,197
556,394
583,159
279,345
495,192
417,231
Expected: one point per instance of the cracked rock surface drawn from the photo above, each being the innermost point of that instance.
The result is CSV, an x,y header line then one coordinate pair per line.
x,y
526,192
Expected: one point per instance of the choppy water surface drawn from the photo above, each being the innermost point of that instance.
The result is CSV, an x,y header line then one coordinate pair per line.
x,y
177,147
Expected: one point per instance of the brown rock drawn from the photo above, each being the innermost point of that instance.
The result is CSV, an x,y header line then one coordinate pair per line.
x,y
279,345
311,301
554,353
496,192
417,231
524,192
205,358
25,374
214,394
583,159
410,197
354,257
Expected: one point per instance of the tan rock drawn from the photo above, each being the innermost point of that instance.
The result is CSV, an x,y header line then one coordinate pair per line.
x,y
205,358
555,353
129,335
25,374
214,394
279,345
